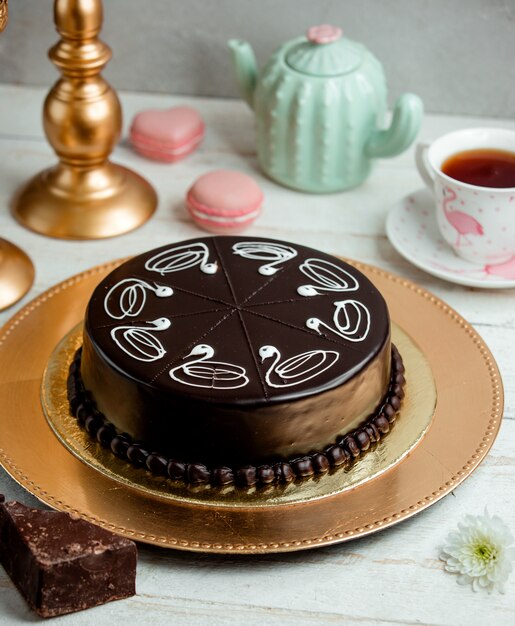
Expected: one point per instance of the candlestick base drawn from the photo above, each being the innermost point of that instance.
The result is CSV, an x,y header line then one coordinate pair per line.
x,y
70,202
16,274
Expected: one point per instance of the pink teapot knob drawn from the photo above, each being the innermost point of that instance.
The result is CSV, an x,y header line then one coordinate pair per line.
x,y
325,33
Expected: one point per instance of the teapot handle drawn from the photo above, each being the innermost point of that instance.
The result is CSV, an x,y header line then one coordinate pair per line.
x,y
406,120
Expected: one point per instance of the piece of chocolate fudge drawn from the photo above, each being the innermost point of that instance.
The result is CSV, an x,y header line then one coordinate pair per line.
x,y
63,564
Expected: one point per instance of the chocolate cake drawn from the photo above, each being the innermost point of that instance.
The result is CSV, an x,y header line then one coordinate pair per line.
x,y
236,359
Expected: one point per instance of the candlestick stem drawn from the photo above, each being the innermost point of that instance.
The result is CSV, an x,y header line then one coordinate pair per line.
x,y
84,196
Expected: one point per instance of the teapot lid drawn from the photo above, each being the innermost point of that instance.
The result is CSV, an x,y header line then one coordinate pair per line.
x,y
324,53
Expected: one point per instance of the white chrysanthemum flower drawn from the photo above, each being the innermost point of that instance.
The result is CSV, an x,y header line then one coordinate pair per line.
x,y
480,553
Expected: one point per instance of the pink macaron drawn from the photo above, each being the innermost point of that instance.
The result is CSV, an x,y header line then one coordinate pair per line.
x,y
224,201
167,135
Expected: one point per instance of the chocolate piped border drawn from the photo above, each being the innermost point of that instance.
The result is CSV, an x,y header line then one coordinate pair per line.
x,y
340,454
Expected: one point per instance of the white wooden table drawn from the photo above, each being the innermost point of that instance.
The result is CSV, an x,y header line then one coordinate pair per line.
x,y
391,577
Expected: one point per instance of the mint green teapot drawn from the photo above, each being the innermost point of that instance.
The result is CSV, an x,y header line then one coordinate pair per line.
x,y
320,104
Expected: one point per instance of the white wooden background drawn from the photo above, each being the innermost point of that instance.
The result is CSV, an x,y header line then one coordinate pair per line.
x,y
392,577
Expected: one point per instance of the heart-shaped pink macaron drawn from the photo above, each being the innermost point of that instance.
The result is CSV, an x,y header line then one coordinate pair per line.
x,y
167,135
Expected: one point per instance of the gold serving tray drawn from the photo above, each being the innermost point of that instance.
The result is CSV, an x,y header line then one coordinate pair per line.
x,y
447,361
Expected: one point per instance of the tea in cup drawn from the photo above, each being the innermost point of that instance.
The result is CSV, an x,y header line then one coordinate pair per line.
x,y
471,174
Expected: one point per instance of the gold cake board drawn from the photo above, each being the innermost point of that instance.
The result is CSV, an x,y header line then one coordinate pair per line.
x,y
417,413
443,346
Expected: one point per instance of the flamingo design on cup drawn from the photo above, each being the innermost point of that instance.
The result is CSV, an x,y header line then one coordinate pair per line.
x,y
297,369
463,223
201,372
478,222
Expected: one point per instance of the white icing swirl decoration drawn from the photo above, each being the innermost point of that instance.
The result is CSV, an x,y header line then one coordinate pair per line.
x,y
297,369
182,258
327,277
128,297
139,342
351,321
274,253
202,372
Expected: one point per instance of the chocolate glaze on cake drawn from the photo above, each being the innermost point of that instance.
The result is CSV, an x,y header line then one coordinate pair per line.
x,y
341,453
235,351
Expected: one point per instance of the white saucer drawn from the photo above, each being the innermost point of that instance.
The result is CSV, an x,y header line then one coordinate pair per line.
x,y
412,230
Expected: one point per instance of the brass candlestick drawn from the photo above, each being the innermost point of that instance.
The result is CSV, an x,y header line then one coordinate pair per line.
x,y
16,269
84,196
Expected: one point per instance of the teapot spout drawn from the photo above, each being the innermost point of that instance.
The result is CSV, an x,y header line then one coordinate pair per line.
x,y
246,68
407,117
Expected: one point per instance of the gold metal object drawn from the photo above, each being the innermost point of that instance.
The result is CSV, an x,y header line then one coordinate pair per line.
x,y
84,196
464,426
4,14
16,273
16,269
416,415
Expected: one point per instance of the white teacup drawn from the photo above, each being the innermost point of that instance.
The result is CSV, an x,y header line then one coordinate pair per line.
x,y
478,222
